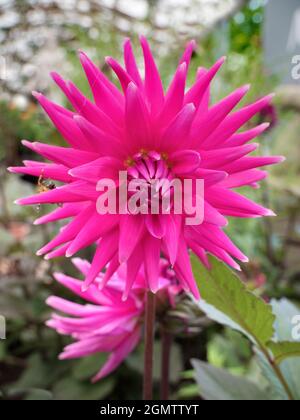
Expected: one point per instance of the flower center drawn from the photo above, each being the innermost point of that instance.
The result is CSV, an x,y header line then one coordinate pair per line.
x,y
151,172
149,166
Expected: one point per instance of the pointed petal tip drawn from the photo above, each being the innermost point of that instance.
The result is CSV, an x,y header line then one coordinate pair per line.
x,y
76,261
27,143
127,41
108,60
57,276
11,169
270,213
37,95
84,288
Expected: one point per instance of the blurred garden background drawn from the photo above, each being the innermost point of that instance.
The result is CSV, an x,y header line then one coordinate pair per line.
x,y
261,39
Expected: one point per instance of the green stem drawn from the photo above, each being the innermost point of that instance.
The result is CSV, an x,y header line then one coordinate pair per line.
x,y
277,372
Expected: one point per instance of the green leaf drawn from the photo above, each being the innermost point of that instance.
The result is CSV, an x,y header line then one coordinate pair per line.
x,y
218,385
89,366
70,389
38,395
284,350
230,303
276,389
285,311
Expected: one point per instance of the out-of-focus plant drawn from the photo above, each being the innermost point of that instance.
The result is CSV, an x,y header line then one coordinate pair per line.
x,y
267,326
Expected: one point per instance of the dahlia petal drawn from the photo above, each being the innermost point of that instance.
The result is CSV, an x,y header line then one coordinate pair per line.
x,y
201,254
185,161
218,237
70,308
179,129
214,250
62,155
64,124
97,80
105,144
119,355
137,128
241,179
171,238
153,84
213,216
132,229
105,252
240,139
74,192
224,199
235,121
82,265
133,268
209,176
188,53
92,295
91,112
184,270
68,210
63,85
57,253
196,93
48,171
130,63
69,232
205,124
152,247
251,163
175,96
93,229
89,346
205,101
110,271
156,225
219,158
95,171
122,75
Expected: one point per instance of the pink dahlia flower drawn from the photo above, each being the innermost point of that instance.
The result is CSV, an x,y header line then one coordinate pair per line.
x,y
153,135
107,323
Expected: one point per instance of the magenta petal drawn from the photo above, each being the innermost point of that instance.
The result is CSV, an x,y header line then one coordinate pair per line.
x,y
138,129
132,229
185,161
131,65
105,252
153,84
119,355
152,247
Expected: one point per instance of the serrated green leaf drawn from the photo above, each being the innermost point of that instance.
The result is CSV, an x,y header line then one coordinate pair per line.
x,y
218,385
284,350
231,304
